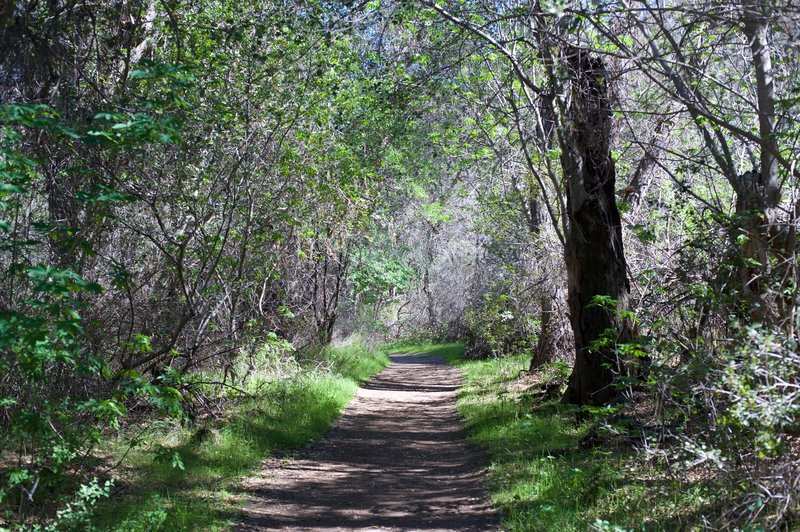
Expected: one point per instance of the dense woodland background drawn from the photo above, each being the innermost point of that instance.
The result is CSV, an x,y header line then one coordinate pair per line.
x,y
194,190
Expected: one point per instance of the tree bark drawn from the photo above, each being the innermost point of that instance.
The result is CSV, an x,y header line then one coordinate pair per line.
x,y
594,254
554,340
758,192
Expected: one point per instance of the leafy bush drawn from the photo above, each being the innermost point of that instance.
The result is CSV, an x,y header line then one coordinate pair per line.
x,y
58,394
761,384
499,327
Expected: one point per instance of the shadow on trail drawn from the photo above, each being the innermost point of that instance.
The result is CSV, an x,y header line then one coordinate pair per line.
x,y
388,380
397,459
399,387
416,359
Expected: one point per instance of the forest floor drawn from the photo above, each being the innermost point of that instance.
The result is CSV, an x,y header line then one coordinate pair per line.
x,y
398,459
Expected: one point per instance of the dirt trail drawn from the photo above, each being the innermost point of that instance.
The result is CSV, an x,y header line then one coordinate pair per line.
x,y
396,460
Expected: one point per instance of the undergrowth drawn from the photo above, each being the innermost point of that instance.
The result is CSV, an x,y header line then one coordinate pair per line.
x,y
547,471
189,478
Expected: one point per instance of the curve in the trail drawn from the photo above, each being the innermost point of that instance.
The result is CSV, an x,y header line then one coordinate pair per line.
x,y
397,459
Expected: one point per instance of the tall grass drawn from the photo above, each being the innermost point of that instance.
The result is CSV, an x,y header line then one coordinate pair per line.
x,y
188,479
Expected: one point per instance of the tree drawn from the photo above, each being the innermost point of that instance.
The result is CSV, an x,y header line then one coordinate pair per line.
x,y
729,115
576,97
596,267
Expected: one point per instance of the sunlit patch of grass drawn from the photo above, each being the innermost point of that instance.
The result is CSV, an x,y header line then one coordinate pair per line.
x,y
542,478
448,352
198,489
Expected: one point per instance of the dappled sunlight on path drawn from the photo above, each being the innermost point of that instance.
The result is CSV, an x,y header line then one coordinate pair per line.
x,y
396,460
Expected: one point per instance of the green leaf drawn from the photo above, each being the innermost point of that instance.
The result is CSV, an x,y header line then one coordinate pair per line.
x,y
6,402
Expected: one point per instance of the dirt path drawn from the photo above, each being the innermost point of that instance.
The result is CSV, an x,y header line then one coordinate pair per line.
x,y
396,460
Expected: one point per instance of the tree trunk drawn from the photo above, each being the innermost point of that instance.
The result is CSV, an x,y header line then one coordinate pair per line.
x,y
327,289
554,340
594,255
430,302
758,192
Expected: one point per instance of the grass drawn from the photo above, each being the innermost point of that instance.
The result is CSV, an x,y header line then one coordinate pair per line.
x,y
540,476
179,479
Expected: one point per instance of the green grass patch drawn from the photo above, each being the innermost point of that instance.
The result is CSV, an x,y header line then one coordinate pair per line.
x,y
181,479
449,352
540,475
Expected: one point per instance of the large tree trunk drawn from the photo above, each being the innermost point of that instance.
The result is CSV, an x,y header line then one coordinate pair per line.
x,y
594,254
758,192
